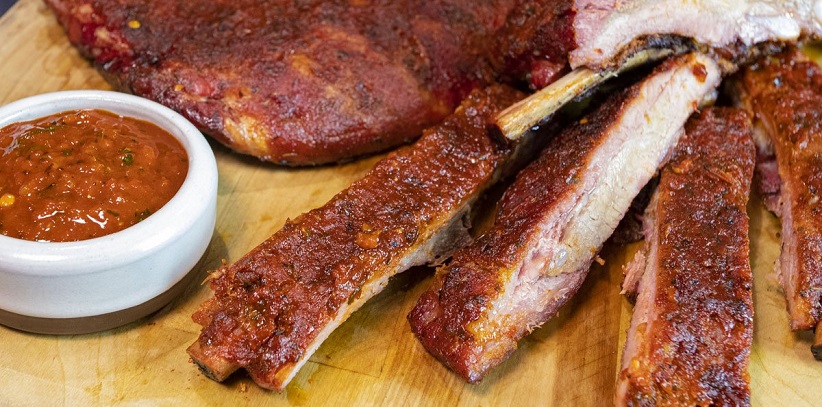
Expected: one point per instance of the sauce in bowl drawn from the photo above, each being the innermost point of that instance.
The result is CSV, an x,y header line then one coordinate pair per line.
x,y
82,174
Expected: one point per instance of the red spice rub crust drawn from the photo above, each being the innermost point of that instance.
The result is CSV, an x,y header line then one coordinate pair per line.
x,y
293,82
695,333
534,43
517,275
474,277
784,93
270,306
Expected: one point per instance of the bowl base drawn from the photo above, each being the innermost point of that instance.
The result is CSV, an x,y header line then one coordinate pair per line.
x,y
93,323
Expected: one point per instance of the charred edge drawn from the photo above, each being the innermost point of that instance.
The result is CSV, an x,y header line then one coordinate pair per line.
x,y
496,135
678,45
216,369
206,371
732,57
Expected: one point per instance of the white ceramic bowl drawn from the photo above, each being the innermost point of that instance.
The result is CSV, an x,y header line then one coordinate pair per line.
x,y
101,283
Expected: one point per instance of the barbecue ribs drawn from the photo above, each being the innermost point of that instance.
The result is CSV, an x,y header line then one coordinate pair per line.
x,y
541,38
293,82
274,307
691,332
784,95
553,220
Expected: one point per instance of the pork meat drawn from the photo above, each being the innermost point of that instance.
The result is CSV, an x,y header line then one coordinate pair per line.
x,y
541,38
294,83
691,331
553,220
273,307
784,95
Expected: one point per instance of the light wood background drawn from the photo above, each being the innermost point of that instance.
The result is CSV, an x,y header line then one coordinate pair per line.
x,y
373,359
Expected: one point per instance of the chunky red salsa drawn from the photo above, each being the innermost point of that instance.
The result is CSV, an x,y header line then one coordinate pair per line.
x,y
82,174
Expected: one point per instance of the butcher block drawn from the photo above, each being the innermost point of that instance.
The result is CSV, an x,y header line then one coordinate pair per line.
x,y
373,359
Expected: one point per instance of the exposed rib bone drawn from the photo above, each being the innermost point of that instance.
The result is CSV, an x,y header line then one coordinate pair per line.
x,y
522,116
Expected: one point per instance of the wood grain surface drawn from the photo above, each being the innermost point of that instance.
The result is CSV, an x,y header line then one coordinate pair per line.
x,y
373,359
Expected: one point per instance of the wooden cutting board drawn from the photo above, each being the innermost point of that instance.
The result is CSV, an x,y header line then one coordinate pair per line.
x,y
373,359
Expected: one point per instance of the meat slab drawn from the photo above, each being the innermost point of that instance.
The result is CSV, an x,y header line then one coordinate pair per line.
x,y
553,219
301,83
541,38
274,307
691,331
784,94
293,82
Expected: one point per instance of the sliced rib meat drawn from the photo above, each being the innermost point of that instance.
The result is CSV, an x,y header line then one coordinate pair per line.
x,y
553,219
541,37
784,94
716,23
274,306
293,82
692,328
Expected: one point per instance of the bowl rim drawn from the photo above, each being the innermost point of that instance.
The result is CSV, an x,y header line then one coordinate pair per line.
x,y
129,245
